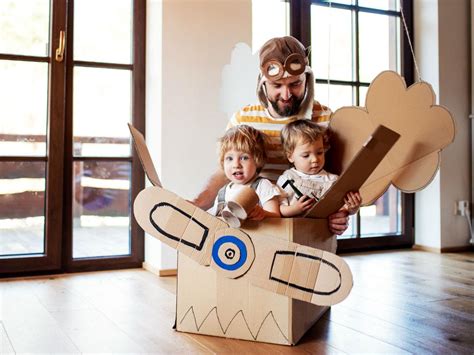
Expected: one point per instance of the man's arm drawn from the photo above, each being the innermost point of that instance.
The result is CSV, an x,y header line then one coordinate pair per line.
x,y
206,197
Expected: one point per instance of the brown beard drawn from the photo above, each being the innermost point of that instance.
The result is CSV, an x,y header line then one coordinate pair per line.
x,y
289,110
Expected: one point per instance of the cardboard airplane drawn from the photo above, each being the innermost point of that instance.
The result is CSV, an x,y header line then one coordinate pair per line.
x,y
308,274
246,283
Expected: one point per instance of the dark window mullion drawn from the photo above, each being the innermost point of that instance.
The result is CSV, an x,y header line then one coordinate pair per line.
x,y
105,159
24,58
355,16
356,56
23,158
81,63
355,7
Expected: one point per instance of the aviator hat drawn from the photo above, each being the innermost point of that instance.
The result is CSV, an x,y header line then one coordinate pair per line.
x,y
282,57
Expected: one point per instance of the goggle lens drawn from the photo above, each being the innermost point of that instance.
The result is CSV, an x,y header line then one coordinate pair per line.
x,y
295,64
273,70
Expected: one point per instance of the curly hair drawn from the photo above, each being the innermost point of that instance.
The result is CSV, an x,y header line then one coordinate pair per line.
x,y
300,132
245,139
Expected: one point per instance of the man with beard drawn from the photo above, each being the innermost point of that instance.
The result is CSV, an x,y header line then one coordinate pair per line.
x,y
286,93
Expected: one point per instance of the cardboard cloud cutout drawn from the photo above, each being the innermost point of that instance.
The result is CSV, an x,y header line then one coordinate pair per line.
x,y
425,129
238,80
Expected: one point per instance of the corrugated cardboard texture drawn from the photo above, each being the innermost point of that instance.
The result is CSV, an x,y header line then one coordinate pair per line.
x,y
210,304
424,127
375,148
274,263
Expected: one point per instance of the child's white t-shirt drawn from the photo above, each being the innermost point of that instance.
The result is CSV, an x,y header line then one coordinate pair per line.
x,y
265,191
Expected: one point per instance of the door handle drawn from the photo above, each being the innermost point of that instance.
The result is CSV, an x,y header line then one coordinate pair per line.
x,y
62,46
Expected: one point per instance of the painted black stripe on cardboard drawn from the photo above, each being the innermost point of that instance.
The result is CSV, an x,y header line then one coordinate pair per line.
x,y
205,232
299,287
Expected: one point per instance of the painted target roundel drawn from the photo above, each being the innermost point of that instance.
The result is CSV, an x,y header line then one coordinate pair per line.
x,y
232,252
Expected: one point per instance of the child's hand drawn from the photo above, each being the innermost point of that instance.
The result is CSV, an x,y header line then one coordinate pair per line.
x,y
352,201
304,203
257,214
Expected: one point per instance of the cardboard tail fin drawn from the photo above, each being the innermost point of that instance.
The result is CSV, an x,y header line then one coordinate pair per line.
x,y
144,155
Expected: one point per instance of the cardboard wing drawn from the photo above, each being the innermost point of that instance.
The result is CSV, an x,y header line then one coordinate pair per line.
x,y
277,265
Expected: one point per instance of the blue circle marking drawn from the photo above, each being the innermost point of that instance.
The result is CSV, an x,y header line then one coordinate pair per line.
x,y
238,243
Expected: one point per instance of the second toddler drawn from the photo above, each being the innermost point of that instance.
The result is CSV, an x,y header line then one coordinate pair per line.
x,y
304,144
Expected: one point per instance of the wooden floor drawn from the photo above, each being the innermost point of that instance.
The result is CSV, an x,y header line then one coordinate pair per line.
x,y
402,302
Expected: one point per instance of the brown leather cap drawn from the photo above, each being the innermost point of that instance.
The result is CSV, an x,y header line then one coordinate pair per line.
x,y
279,48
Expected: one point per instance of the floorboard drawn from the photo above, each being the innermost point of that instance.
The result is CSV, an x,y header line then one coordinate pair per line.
x,y
402,302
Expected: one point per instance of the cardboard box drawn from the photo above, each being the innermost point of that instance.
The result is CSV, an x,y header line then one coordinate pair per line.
x,y
210,304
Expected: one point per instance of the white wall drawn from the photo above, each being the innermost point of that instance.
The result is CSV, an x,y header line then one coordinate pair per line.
x,y
427,220
197,39
441,30
153,248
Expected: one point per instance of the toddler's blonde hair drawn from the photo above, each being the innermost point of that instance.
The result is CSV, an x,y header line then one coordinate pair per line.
x,y
301,132
244,139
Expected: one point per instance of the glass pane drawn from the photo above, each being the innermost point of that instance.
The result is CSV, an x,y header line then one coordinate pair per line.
x,y
103,30
379,45
381,4
270,18
334,96
23,108
101,208
102,109
331,43
345,2
383,216
22,204
24,27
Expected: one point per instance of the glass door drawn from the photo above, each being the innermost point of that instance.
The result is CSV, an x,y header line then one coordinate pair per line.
x,y
32,83
106,72
72,75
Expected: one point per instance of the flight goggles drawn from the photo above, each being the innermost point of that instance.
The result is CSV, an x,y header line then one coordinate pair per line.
x,y
295,64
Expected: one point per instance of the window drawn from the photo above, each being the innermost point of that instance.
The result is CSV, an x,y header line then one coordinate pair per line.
x,y
351,42
71,77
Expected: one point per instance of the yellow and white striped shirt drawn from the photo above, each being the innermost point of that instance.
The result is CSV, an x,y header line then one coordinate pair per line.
x,y
258,117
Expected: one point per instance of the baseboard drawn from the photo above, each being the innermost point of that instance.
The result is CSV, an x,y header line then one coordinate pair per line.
x,y
159,272
443,250
168,272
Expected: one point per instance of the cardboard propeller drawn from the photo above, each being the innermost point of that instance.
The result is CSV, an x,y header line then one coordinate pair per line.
x,y
280,266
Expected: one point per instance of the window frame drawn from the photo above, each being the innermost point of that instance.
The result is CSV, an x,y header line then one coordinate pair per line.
x,y
300,27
